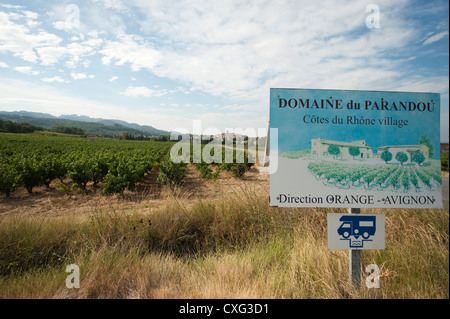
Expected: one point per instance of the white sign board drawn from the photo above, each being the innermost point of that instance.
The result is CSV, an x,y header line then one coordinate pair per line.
x,y
355,149
356,231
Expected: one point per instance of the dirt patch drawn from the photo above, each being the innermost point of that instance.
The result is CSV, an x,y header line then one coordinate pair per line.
x,y
149,194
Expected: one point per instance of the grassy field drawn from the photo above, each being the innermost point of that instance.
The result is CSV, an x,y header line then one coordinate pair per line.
x,y
206,240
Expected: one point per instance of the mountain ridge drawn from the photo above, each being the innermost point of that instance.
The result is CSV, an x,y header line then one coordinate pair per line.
x,y
98,126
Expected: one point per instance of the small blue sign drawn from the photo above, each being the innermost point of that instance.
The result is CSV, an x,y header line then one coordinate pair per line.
x,y
356,231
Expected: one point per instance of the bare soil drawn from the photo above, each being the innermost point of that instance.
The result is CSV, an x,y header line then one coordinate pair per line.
x,y
149,194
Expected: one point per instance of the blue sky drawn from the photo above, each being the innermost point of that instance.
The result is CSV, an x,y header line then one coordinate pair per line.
x,y
167,63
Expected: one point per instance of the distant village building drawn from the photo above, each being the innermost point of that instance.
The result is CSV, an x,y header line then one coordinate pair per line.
x,y
92,137
320,149
444,147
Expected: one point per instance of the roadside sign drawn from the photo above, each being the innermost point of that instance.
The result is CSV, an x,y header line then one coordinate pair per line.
x,y
355,149
356,231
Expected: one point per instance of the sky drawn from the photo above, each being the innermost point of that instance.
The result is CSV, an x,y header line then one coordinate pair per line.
x,y
168,63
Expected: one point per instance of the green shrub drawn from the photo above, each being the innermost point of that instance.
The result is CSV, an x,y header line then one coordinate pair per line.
x,y
9,179
31,172
205,171
170,173
237,168
123,174
64,189
444,162
80,173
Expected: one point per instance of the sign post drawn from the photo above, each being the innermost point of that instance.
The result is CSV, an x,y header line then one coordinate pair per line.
x,y
354,260
355,232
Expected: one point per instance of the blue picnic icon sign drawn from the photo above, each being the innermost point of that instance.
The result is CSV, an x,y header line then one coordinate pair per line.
x,y
356,231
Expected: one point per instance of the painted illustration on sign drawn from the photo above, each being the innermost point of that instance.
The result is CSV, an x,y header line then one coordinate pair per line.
x,y
352,165
356,149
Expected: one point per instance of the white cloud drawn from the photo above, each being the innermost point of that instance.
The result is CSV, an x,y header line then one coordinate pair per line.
x,y
135,91
57,79
28,70
21,40
61,25
3,65
133,50
435,38
80,76
238,49
420,84
30,14
10,6
32,44
77,52
111,4
113,78
50,55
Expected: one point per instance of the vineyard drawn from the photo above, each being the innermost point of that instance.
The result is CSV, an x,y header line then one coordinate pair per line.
x,y
379,177
32,160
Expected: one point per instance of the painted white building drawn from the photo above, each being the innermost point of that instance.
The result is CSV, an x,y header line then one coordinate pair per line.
x,y
320,149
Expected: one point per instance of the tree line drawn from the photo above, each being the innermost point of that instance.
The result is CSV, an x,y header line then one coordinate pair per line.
x,y
14,127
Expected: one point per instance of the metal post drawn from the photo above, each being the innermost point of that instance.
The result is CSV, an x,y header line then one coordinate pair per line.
x,y
354,256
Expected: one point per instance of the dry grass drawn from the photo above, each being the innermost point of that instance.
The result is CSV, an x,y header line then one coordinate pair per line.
x,y
227,245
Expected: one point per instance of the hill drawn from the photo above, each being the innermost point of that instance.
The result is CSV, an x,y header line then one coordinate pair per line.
x,y
98,126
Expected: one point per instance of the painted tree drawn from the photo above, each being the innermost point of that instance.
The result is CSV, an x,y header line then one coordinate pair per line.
x,y
425,140
386,156
401,157
334,150
354,151
418,157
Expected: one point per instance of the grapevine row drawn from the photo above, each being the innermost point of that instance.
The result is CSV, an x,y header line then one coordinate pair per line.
x,y
32,161
381,176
